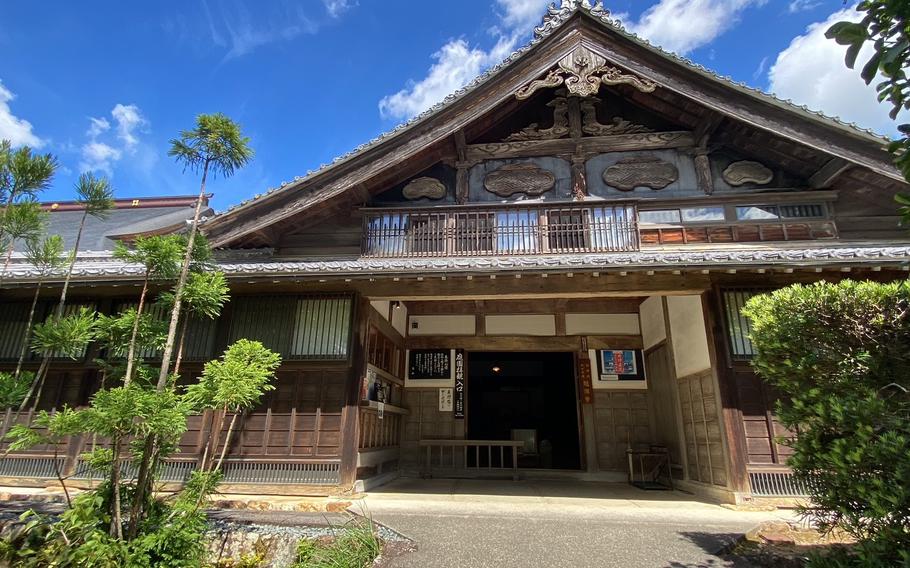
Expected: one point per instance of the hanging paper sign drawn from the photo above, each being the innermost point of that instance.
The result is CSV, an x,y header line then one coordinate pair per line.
x,y
380,409
429,364
459,384
445,400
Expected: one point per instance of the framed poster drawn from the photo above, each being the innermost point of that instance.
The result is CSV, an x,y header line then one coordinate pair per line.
x,y
433,368
621,365
430,364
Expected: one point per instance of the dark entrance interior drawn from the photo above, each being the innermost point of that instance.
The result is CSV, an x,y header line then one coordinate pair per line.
x,y
526,396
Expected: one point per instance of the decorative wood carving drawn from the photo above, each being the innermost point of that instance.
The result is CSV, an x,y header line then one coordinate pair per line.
x,y
589,146
739,173
579,178
428,187
619,125
519,178
559,129
582,72
703,172
626,175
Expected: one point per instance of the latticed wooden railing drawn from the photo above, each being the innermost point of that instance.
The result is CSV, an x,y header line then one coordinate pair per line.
x,y
500,230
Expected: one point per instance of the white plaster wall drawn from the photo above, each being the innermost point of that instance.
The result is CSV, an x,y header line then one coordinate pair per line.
x,y
602,324
653,325
442,325
400,319
532,324
381,306
690,339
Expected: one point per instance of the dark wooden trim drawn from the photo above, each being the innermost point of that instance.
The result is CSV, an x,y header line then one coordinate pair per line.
x,y
825,176
350,423
731,413
526,343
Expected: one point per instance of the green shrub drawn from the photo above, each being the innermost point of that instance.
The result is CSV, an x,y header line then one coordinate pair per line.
x,y
839,354
355,546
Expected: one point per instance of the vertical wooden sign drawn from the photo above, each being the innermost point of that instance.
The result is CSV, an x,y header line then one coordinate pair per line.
x,y
459,384
584,374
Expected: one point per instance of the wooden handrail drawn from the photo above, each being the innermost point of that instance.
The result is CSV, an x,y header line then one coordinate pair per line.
x,y
477,445
516,229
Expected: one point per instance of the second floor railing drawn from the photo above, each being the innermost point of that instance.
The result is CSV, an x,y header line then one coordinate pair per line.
x,y
500,230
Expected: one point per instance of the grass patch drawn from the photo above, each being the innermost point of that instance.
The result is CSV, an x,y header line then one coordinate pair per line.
x,y
355,546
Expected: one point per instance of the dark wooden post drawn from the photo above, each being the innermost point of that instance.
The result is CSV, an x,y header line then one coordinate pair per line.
x,y
731,413
350,422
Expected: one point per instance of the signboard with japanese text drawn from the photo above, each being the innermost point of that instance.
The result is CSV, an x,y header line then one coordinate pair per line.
x,y
459,384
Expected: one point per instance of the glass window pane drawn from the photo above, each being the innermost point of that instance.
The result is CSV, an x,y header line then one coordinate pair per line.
x,y
516,231
698,214
756,212
658,217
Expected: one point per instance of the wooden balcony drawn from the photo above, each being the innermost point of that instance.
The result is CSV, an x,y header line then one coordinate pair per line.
x,y
541,228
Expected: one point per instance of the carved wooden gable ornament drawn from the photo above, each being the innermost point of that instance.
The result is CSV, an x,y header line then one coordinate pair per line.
x,y
583,72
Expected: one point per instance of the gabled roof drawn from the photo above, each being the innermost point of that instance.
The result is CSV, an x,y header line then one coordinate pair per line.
x,y
130,218
823,133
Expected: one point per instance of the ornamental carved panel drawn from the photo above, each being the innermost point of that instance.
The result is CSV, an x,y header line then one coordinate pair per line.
x,y
430,188
519,178
626,175
582,72
739,173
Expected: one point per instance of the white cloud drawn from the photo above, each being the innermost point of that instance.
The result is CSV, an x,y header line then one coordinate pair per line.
x,y
457,62
521,15
802,6
682,26
17,130
811,71
98,156
129,119
104,148
336,8
97,126
233,26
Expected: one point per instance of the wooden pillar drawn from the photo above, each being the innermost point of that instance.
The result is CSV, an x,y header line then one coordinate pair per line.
x,y
350,423
731,413
586,396
671,357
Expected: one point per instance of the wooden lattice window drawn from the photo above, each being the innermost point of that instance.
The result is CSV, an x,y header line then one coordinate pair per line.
x,y
308,327
738,325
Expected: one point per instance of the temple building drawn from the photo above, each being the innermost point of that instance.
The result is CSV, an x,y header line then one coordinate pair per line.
x,y
540,275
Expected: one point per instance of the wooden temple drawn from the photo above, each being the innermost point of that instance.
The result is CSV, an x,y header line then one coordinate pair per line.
x,y
542,273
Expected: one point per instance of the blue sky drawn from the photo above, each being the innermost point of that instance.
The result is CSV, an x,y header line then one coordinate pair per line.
x,y
104,85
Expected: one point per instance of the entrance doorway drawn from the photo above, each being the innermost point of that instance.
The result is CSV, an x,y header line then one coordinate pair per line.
x,y
529,397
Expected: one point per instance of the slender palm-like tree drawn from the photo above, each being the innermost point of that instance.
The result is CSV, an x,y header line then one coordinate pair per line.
x,y
22,222
215,146
23,175
97,199
46,256
160,255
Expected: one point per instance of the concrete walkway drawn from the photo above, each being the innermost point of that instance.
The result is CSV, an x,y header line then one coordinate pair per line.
x,y
505,524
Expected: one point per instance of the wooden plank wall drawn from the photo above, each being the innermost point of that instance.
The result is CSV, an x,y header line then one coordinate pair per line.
x,y
426,421
301,418
663,397
621,420
760,425
702,427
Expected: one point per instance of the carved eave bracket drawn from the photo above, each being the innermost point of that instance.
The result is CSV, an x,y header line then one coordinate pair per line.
x,y
583,72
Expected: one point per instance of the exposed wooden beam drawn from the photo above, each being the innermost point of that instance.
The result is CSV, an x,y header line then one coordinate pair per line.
x,y
591,145
825,176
